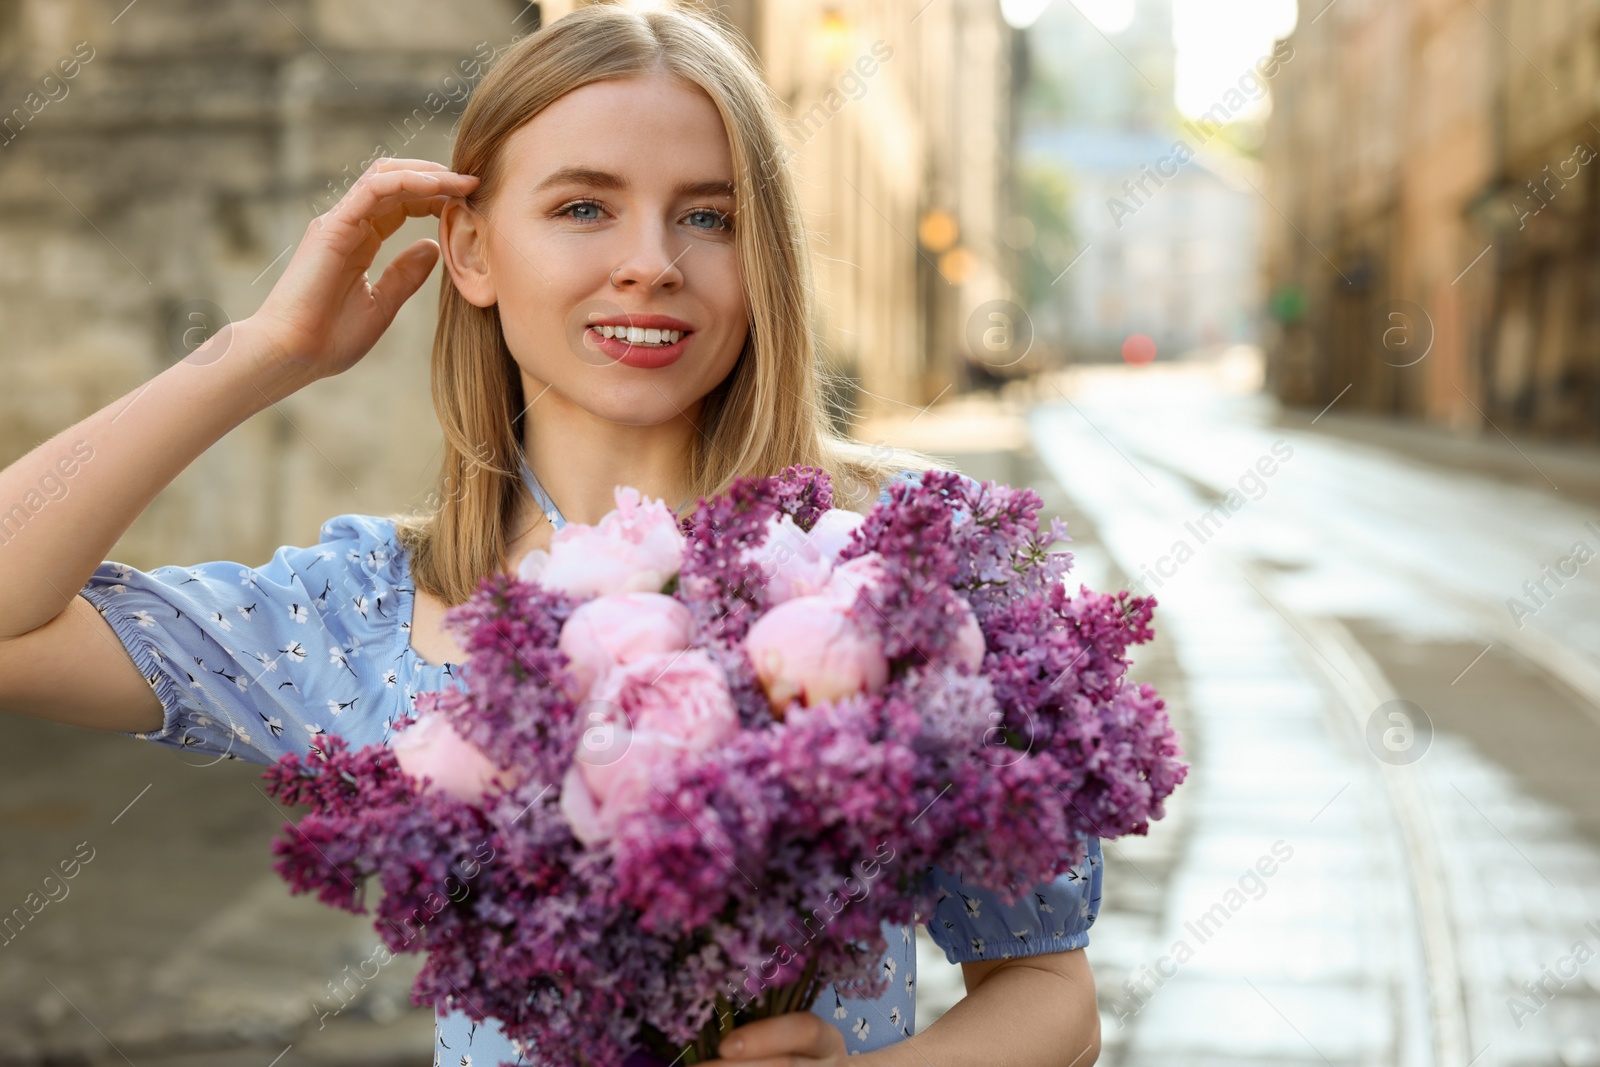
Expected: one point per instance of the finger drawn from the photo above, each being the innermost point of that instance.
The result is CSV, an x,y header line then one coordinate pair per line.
x,y
380,193
386,224
377,193
401,163
371,233
792,1033
404,276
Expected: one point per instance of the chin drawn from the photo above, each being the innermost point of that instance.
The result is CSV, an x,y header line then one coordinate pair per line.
x,y
649,403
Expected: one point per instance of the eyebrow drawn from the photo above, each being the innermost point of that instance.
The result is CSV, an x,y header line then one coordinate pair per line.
x,y
604,179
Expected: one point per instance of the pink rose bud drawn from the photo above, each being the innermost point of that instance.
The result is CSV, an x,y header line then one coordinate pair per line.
x,y
610,631
431,748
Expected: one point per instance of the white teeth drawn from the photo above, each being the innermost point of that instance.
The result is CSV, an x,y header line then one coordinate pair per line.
x,y
634,335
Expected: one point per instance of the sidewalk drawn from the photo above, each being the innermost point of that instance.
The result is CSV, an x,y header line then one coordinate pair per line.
x,y
1570,469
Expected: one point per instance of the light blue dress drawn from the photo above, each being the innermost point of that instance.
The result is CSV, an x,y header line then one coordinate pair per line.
x,y
253,663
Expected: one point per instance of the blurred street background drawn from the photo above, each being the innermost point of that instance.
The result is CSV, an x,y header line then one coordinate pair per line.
x,y
1292,311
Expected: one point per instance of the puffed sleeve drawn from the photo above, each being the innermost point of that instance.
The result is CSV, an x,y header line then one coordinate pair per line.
x,y
970,923
255,662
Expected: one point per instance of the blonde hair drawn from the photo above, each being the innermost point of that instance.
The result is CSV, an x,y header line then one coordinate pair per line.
x,y
769,411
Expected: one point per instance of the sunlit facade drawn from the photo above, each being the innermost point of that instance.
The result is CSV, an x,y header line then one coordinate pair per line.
x,y
1435,253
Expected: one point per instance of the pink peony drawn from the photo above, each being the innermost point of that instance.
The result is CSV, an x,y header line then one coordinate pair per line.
x,y
595,797
681,695
799,563
636,548
645,715
850,577
430,748
808,649
609,631
833,529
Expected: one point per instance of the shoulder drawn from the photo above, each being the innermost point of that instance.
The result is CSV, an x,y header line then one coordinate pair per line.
x,y
350,550
356,565
351,575
308,637
372,532
914,476
366,543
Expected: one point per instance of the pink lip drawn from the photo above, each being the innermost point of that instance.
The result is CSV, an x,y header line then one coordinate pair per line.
x,y
650,357
644,322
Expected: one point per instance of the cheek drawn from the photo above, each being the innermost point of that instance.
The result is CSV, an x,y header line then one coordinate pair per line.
x,y
724,291
733,318
544,294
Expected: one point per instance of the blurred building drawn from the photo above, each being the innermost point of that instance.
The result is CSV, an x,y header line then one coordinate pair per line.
x,y
1435,252
1164,225
1175,261
161,161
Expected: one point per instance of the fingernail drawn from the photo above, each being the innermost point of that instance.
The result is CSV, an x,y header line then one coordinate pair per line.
x,y
734,1045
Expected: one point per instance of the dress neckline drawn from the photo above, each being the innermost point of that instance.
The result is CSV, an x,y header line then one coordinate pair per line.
x,y
408,586
407,591
540,497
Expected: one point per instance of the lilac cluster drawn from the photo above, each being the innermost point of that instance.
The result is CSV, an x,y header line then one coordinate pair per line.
x,y
718,892
721,588
518,707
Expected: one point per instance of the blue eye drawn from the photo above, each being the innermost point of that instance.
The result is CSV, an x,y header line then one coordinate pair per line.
x,y
721,219
571,208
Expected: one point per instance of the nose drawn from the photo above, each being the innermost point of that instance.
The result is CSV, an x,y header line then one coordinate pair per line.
x,y
651,263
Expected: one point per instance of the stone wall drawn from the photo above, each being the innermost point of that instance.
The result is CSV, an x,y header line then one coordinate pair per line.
x,y
181,163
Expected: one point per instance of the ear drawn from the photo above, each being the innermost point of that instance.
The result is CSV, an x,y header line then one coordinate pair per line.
x,y
463,240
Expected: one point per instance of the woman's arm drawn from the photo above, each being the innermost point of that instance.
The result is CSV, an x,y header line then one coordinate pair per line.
x,y
58,659
91,481
1032,1011
66,503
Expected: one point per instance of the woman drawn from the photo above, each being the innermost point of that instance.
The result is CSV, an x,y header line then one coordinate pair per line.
x,y
627,303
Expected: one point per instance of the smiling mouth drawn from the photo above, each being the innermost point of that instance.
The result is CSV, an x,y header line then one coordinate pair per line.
x,y
642,338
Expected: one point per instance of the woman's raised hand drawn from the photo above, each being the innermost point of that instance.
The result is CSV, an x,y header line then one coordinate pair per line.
x,y
323,313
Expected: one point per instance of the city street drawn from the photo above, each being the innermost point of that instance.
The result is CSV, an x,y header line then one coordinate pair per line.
x,y
1289,310
1388,850
1340,881
175,944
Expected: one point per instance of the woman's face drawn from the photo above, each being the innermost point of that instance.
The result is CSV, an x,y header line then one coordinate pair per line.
x,y
614,206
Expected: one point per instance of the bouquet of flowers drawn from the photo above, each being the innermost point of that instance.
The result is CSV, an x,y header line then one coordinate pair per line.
x,y
679,745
